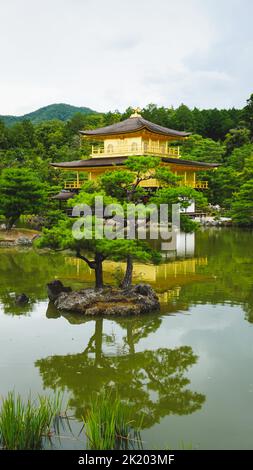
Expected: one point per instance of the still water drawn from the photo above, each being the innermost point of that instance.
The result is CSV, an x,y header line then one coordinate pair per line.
x,y
187,370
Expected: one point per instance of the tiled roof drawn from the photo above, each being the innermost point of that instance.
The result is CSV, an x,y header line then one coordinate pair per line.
x,y
134,124
118,161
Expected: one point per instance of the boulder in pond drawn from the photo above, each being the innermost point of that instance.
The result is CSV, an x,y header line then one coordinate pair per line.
x,y
55,288
21,299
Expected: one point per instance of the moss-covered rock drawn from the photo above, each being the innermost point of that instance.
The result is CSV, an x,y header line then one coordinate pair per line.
x,y
136,300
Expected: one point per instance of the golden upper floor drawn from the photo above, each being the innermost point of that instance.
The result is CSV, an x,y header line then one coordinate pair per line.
x,y
134,136
134,146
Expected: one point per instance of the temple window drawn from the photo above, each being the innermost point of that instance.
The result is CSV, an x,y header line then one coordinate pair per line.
x,y
110,148
162,148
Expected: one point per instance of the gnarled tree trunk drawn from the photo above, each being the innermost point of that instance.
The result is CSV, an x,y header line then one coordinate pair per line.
x,y
10,222
99,271
97,265
127,281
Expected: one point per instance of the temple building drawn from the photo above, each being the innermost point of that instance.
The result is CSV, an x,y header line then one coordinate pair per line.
x,y
112,145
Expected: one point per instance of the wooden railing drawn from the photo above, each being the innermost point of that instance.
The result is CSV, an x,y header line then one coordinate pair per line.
x,y
196,184
134,149
74,184
201,185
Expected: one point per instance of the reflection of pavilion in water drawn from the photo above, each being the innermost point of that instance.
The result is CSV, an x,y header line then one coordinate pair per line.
x,y
185,246
167,278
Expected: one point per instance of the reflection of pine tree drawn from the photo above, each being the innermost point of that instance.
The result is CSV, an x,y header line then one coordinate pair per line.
x,y
152,381
248,307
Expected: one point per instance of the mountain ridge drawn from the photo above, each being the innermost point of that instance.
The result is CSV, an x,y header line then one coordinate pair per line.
x,y
61,111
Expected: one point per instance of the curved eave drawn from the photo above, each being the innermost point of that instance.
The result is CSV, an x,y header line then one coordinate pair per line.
x,y
63,196
92,163
136,131
191,163
86,167
134,125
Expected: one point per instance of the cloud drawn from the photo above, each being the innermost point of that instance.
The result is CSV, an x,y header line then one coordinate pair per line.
x,y
109,55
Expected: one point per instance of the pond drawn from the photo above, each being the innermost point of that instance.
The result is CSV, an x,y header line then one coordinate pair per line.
x,y
187,370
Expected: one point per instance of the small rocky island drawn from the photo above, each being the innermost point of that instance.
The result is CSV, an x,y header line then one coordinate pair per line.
x,y
138,299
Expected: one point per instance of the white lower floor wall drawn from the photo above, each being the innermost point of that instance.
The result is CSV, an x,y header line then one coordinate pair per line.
x,y
190,208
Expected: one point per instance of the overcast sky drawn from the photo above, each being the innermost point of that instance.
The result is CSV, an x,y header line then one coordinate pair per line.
x,y
111,54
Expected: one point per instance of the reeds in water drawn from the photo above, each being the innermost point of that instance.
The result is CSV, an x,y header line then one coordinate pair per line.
x,y
26,425
108,424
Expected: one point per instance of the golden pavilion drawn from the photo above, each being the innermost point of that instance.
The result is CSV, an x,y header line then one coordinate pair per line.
x,y
112,145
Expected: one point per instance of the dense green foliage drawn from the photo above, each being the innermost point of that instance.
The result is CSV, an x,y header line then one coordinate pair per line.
x,y
222,136
21,192
242,204
125,185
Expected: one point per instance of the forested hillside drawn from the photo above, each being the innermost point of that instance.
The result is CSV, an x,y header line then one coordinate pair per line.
x,y
60,111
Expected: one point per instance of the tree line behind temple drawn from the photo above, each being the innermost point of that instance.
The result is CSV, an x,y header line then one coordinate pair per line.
x,y
223,136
